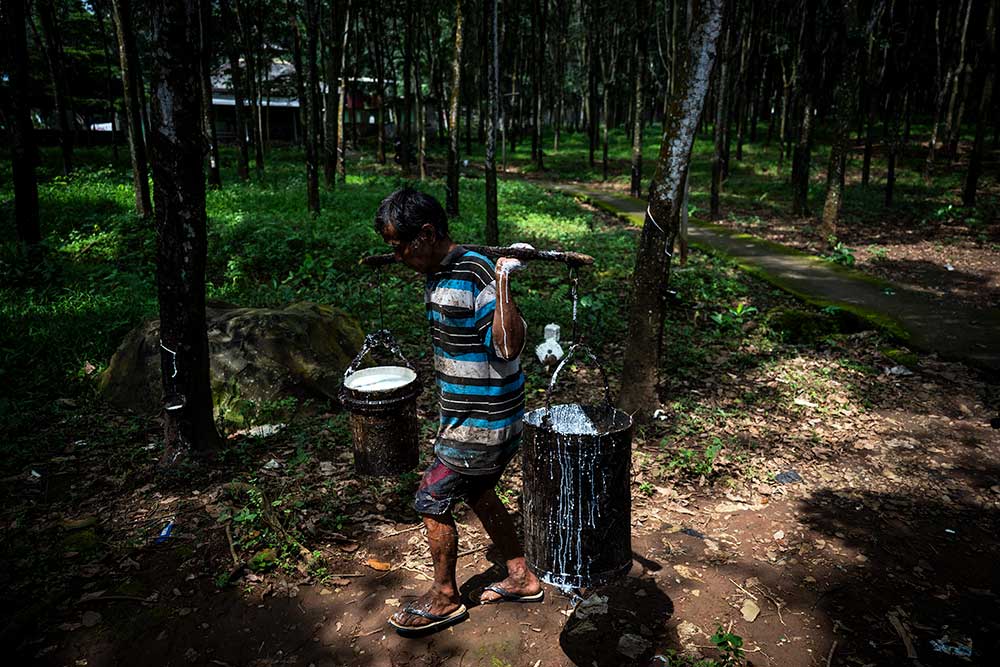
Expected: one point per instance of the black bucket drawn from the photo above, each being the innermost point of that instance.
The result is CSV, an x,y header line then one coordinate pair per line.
x,y
577,499
382,401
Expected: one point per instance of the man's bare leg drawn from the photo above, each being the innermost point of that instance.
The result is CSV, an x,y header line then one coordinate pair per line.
x,y
497,522
442,598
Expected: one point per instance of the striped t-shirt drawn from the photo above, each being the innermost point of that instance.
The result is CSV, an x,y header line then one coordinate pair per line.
x,y
481,395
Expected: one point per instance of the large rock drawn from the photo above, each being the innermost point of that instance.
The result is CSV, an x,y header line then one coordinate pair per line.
x,y
259,356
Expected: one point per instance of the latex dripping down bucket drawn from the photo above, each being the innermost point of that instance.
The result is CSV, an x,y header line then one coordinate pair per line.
x,y
577,499
382,401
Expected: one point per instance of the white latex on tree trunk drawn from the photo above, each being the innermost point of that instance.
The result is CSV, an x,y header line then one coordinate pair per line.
x,y
641,363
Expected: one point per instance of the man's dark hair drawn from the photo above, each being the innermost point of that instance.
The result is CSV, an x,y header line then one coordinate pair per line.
x,y
408,210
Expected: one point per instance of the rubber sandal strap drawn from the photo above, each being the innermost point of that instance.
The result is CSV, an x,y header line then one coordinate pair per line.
x,y
409,609
499,590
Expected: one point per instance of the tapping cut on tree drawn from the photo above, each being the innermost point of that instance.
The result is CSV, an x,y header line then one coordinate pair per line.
x,y
181,235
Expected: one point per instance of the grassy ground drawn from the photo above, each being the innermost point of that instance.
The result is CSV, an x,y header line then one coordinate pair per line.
x,y
760,180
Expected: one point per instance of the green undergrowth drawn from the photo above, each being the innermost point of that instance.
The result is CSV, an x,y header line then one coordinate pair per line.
x,y
63,316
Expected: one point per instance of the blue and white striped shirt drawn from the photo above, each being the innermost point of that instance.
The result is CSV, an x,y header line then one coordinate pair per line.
x,y
481,394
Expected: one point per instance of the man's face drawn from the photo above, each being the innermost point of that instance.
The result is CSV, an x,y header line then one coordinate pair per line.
x,y
416,254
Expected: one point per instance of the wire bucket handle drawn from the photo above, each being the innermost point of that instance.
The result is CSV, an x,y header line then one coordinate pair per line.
x,y
383,339
578,347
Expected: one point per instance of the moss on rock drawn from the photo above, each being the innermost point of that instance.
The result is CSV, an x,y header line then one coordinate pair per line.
x,y
901,357
259,357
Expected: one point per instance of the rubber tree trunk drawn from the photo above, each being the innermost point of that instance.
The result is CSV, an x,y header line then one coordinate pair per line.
x,y
492,118
24,154
312,125
332,98
342,96
635,185
129,60
562,9
646,307
952,120
605,120
55,58
251,50
236,80
592,86
538,78
802,152
181,239
801,160
375,25
207,110
99,9
451,197
404,153
302,115
721,95
941,81
843,114
986,76
420,111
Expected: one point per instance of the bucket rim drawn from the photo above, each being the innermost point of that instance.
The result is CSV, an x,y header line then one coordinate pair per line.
x,y
402,372
539,413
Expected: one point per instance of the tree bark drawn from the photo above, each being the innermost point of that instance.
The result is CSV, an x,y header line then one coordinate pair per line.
x,y
492,116
311,96
801,157
562,10
538,78
253,54
720,120
646,308
407,137
342,95
635,185
451,198
609,64
181,248
207,110
99,9
950,119
332,98
843,113
421,112
24,154
986,78
375,26
55,58
131,86
236,80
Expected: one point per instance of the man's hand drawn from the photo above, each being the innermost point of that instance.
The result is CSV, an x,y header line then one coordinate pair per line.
x,y
508,265
508,327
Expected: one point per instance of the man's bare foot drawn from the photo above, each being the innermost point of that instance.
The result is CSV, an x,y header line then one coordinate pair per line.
x,y
433,602
520,581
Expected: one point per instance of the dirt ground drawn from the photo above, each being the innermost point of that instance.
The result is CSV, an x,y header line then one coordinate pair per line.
x,y
942,257
884,541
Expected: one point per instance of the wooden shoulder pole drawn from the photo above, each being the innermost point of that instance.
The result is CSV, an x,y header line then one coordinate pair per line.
x,y
573,259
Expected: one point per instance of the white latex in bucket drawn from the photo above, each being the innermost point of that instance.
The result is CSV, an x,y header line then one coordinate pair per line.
x,y
380,378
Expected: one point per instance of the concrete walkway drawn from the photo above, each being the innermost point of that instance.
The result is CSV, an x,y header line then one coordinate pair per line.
x,y
925,321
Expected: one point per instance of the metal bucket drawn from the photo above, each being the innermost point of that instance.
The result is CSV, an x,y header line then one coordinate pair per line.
x,y
577,499
382,401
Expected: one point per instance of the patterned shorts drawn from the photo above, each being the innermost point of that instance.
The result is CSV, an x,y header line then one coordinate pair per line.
x,y
441,487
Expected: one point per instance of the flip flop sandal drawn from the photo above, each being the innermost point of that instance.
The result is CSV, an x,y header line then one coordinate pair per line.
x,y
507,596
437,622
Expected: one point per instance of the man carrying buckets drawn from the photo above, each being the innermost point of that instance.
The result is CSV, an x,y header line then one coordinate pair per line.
x,y
478,336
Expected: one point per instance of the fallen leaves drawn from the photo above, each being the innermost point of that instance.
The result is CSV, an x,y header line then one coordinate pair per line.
x,y
379,565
